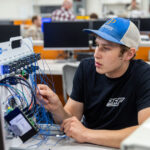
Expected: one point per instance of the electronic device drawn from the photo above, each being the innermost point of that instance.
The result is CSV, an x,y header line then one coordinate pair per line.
x,y
139,139
145,24
66,35
18,84
96,24
6,22
45,20
21,125
136,21
8,31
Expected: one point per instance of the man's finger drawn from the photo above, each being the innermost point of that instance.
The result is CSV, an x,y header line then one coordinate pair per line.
x,y
42,87
42,101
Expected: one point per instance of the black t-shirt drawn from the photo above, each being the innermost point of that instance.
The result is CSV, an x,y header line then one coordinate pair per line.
x,y
112,103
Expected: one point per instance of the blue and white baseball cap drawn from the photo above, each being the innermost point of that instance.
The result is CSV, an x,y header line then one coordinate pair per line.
x,y
119,30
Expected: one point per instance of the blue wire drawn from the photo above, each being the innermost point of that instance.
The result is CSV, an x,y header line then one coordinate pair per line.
x,y
7,85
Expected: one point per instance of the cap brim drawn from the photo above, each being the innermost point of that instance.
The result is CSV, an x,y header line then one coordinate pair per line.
x,y
103,35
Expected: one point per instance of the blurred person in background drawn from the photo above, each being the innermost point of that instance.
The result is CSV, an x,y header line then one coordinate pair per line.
x,y
134,10
34,30
93,16
134,5
64,13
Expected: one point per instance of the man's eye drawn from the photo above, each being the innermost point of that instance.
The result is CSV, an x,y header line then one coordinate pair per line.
x,y
106,48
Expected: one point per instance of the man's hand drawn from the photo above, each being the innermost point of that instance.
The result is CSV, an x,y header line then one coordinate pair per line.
x,y
73,128
47,97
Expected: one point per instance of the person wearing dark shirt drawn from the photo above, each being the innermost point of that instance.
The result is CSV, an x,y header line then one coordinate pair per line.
x,y
111,92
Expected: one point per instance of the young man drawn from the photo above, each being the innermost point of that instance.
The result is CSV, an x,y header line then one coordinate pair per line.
x,y
112,90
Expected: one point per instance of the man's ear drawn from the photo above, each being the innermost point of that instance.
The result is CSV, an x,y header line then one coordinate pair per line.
x,y
130,54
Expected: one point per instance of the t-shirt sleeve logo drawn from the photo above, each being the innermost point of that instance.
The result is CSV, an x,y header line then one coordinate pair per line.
x,y
114,102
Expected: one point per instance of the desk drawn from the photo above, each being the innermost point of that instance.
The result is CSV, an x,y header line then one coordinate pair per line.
x,y
55,143
144,44
51,142
53,67
38,42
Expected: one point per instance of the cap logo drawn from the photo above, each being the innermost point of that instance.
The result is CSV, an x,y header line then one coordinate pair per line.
x,y
111,21
107,27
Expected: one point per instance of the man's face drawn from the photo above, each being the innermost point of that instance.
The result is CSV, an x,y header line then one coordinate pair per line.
x,y
108,59
67,5
38,22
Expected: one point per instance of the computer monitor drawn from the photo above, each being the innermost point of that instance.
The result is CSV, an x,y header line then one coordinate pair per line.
x,y
8,31
136,21
67,35
145,24
45,20
6,22
96,25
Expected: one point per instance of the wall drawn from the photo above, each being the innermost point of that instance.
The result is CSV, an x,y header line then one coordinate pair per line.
x,y
101,7
94,6
145,7
16,9
48,2
23,9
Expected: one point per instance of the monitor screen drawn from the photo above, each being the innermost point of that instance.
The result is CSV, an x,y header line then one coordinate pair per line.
x,y
145,24
96,25
136,21
66,35
45,20
8,31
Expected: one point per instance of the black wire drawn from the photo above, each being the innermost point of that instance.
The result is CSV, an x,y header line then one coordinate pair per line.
x,y
33,100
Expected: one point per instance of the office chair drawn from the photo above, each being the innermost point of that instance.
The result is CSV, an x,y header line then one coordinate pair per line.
x,y
67,79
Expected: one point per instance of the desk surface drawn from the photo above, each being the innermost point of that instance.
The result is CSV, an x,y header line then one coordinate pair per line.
x,y
53,67
55,143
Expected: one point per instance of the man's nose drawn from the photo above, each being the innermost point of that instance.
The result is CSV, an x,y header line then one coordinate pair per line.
x,y
97,53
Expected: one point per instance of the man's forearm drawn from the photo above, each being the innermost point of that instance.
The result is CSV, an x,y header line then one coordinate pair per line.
x,y
60,114
110,138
